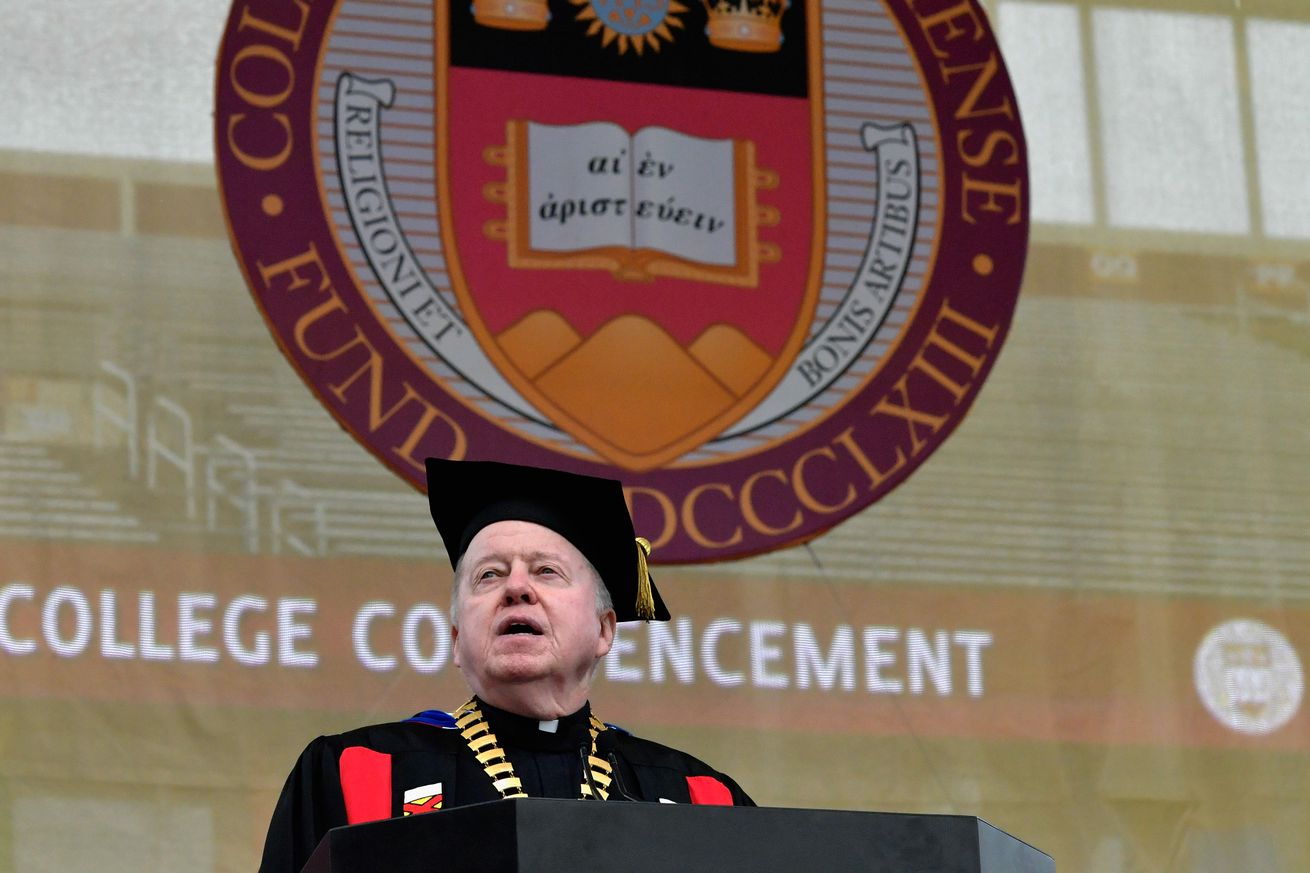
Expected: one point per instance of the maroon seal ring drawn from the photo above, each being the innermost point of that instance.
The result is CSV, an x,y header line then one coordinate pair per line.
x,y
754,259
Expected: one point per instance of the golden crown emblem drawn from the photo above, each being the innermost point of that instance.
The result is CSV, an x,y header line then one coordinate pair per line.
x,y
512,14
746,25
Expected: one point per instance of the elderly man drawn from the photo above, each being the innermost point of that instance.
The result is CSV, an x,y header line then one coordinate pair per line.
x,y
545,565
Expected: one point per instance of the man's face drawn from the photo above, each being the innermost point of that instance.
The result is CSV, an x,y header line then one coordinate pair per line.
x,y
527,614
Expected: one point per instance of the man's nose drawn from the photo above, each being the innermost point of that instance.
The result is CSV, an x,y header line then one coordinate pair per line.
x,y
518,588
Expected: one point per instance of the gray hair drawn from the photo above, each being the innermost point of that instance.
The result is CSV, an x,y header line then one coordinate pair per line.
x,y
604,602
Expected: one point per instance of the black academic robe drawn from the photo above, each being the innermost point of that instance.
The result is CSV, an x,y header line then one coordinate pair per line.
x,y
423,764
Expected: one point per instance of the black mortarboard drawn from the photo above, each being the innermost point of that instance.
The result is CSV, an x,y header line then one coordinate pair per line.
x,y
589,512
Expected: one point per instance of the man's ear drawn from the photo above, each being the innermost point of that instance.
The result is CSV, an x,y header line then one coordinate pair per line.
x,y
454,649
608,623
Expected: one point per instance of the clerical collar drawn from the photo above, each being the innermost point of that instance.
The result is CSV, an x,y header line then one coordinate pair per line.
x,y
571,731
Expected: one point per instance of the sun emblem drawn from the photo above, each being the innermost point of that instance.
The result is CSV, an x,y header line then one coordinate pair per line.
x,y
636,23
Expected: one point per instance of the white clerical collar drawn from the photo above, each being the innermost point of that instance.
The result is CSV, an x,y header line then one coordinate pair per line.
x,y
548,726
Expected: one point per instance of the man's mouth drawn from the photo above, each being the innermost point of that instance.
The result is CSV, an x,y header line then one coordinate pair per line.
x,y
521,629
517,626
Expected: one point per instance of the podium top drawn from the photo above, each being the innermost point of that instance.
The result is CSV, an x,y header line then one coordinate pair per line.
x,y
546,836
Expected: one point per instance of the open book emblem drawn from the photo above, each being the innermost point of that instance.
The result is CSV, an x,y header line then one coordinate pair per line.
x,y
630,213
639,259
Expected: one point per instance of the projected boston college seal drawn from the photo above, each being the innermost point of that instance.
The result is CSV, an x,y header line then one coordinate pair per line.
x,y
1248,676
755,258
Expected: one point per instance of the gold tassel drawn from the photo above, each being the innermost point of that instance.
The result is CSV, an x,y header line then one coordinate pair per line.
x,y
645,598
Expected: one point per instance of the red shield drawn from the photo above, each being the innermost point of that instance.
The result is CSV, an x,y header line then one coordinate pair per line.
x,y
637,251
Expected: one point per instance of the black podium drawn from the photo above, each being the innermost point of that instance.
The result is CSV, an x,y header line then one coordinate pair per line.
x,y
551,836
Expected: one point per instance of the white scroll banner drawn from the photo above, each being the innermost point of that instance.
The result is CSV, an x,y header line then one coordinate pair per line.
x,y
358,146
865,306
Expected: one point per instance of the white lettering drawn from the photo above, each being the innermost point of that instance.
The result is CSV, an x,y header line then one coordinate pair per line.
x,y
670,649
11,644
973,642
615,669
876,658
190,625
82,622
934,659
839,662
289,631
150,649
425,613
731,652
110,647
258,656
709,652
765,652
359,635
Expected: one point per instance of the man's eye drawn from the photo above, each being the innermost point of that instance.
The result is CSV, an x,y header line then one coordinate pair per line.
x,y
550,570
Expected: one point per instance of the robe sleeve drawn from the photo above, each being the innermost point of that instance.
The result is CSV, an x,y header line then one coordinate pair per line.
x,y
654,772
310,805
717,789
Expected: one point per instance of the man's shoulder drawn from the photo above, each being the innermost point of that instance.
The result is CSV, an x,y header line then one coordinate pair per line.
x,y
667,773
640,751
430,730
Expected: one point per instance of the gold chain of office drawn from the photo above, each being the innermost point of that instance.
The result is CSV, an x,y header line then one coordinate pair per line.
x,y
482,742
